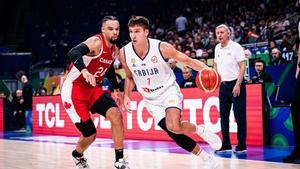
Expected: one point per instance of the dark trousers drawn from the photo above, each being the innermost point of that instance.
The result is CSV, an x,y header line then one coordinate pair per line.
x,y
239,109
295,110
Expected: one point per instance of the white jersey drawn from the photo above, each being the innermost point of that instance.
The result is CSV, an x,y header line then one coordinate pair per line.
x,y
152,75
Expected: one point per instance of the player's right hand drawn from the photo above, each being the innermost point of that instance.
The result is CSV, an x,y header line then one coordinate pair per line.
x,y
126,104
89,78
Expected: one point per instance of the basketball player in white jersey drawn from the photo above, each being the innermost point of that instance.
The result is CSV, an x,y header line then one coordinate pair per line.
x,y
145,64
82,95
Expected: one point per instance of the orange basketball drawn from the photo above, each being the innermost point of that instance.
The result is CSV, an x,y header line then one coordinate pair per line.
x,y
208,80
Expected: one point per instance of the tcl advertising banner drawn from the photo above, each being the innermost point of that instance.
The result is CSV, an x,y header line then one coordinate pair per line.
x,y
49,117
1,115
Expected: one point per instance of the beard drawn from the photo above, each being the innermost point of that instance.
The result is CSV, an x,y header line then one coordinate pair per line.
x,y
113,41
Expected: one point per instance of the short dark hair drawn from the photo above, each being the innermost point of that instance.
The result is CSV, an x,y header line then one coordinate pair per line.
x,y
261,61
139,21
109,18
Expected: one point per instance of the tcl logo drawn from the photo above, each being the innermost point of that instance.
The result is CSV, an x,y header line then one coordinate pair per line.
x,y
50,114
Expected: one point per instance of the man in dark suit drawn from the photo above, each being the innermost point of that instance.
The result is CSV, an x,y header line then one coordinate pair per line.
x,y
261,74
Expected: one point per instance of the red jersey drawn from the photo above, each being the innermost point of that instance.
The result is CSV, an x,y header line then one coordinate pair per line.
x,y
96,65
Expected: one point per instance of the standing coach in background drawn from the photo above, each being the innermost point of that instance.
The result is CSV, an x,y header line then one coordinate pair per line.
x,y
230,64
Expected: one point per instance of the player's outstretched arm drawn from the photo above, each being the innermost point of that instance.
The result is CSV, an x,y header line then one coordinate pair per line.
x,y
168,51
129,82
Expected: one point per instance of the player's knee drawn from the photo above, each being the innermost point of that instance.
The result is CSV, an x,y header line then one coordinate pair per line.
x,y
87,128
173,127
114,115
169,126
176,129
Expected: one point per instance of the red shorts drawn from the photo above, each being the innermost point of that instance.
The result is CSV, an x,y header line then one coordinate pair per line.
x,y
78,100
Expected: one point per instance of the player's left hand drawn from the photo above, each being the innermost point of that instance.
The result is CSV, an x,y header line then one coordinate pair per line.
x,y
89,78
126,104
118,97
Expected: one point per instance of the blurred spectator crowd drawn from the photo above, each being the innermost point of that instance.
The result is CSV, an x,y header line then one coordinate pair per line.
x,y
188,25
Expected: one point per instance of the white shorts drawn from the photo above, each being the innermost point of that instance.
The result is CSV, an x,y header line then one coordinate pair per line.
x,y
172,97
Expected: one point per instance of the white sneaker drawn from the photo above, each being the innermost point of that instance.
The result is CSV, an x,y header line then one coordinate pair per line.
x,y
122,164
211,138
212,162
81,163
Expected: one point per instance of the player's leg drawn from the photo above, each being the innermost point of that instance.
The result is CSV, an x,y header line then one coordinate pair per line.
x,y
190,145
80,116
181,140
107,107
88,136
177,126
87,128
172,101
174,124
157,109
115,117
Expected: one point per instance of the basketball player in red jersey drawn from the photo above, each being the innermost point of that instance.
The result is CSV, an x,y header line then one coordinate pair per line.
x,y
91,60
